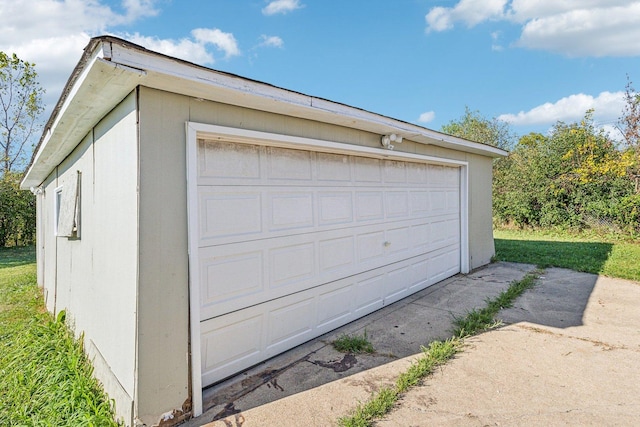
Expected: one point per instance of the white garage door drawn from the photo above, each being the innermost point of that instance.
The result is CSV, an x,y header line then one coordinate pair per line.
x,y
292,244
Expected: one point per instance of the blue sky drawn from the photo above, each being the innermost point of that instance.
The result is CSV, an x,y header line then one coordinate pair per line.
x,y
528,62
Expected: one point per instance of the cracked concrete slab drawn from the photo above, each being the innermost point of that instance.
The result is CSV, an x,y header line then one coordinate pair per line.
x,y
568,355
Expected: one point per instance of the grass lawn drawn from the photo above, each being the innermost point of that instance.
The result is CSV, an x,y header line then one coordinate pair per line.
x,y
45,379
586,252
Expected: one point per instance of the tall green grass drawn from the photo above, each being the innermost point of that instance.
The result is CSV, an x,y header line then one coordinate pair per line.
x,y
437,353
45,378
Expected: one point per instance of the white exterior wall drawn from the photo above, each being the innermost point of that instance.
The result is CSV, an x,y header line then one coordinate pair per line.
x,y
163,309
94,277
47,263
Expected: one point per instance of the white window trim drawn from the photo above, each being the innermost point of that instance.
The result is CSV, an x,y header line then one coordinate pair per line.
x,y
67,207
195,131
57,199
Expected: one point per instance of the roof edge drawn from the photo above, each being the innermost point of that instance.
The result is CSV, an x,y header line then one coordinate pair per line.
x,y
106,58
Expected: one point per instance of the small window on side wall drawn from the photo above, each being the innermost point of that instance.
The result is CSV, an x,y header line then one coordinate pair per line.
x,y
67,208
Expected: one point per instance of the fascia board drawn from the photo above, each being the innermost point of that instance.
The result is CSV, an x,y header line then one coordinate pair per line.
x,y
174,75
115,67
100,86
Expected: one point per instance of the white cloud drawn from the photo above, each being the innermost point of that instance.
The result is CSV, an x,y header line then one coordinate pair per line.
x,y
607,105
281,6
495,45
471,12
569,27
221,40
271,41
605,31
439,19
136,9
189,50
53,33
35,19
524,10
614,132
427,117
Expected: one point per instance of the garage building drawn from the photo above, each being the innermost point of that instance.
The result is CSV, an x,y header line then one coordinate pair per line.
x,y
193,223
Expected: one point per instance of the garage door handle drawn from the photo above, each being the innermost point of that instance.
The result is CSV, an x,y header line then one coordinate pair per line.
x,y
386,244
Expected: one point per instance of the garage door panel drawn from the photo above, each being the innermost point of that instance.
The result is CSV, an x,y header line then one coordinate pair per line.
x,y
440,175
395,171
438,201
367,170
287,164
295,243
236,214
444,264
226,161
398,282
420,277
336,254
443,232
294,319
237,275
333,167
369,247
419,203
289,322
453,201
335,207
417,174
231,343
290,210
420,235
369,205
229,214
231,277
334,306
291,265
398,241
396,204
369,294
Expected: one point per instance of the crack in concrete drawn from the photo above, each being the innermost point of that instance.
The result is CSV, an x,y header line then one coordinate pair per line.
x,y
604,345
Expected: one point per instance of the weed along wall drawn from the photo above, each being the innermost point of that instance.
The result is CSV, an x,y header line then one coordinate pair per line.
x,y
293,220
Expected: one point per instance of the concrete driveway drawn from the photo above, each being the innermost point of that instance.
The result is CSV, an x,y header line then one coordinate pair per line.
x,y
569,354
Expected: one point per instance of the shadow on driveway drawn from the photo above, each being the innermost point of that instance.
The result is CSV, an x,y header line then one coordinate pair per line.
x,y
559,300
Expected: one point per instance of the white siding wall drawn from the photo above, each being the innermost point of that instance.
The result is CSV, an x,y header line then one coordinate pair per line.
x,y
163,309
94,278
47,263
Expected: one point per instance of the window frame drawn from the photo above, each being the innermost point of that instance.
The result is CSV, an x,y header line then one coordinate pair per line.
x,y
57,202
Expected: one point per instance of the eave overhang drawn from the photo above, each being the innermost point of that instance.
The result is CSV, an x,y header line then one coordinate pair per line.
x,y
111,68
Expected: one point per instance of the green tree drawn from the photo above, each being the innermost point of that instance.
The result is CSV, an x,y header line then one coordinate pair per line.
x,y
475,127
21,105
519,192
573,177
17,212
630,127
